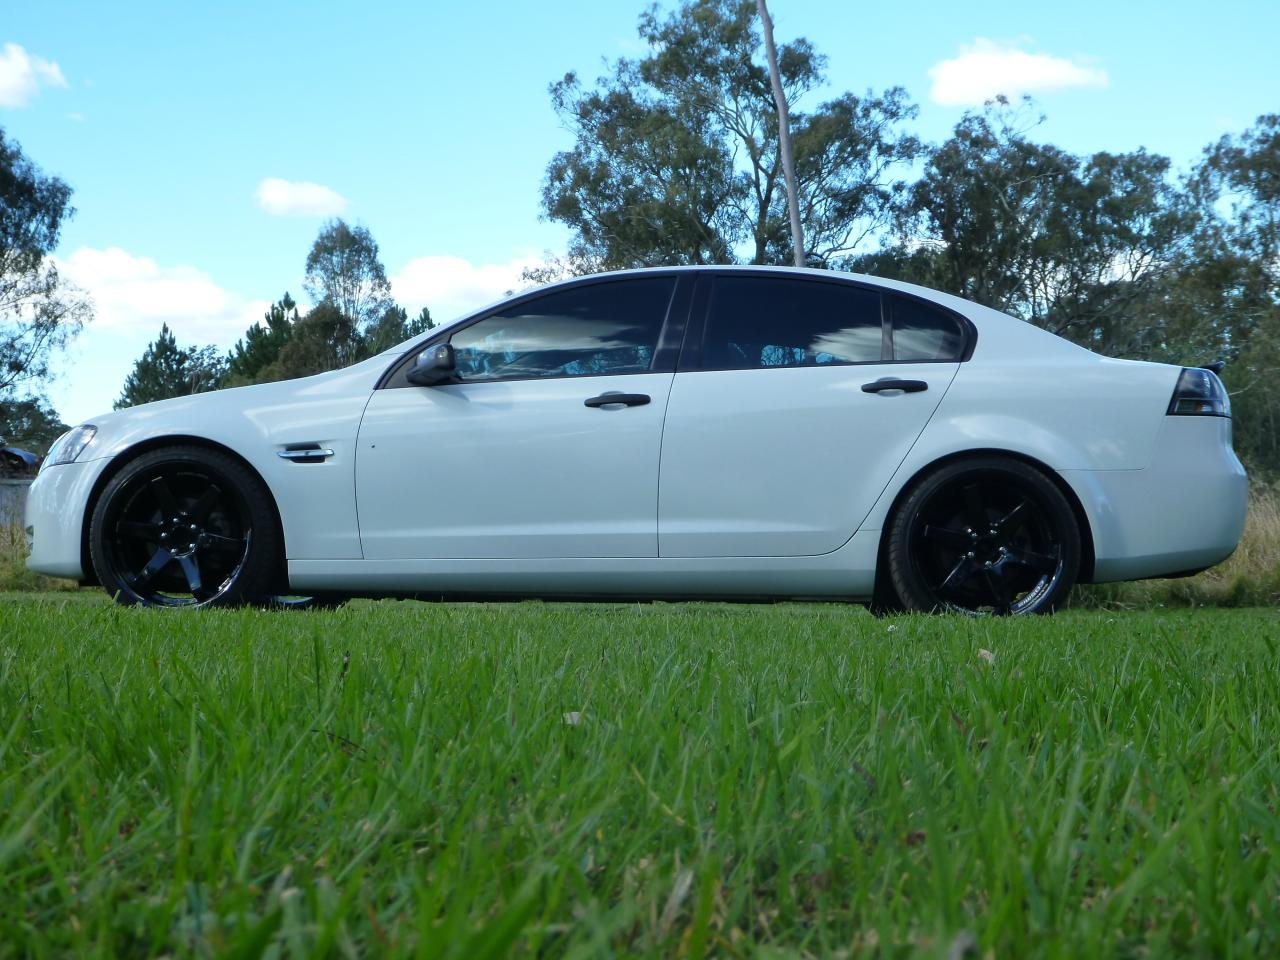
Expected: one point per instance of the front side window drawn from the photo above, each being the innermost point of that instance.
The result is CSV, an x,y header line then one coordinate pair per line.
x,y
594,329
923,332
761,322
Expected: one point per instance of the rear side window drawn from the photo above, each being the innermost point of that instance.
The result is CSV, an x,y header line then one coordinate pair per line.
x,y
761,322
595,329
923,332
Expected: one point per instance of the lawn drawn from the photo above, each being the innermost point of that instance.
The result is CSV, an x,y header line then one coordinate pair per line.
x,y
472,780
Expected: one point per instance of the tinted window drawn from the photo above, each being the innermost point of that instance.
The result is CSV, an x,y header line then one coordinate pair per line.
x,y
922,332
772,322
599,328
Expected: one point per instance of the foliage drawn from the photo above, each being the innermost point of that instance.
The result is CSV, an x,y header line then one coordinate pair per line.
x,y
471,780
39,311
676,156
30,423
1242,174
261,345
323,339
395,327
354,316
555,268
166,370
1073,244
343,271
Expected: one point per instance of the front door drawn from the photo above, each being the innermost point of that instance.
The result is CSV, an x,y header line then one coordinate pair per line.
x,y
525,457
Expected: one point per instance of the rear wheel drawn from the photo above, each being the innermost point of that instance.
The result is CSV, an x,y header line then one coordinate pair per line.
x,y
186,527
986,536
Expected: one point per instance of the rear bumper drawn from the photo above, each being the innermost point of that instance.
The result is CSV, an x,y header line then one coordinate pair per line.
x,y
55,517
1184,512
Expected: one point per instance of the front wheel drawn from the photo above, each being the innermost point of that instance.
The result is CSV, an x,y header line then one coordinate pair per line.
x,y
987,536
186,527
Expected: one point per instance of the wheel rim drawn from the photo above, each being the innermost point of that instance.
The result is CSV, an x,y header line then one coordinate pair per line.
x,y
986,544
177,536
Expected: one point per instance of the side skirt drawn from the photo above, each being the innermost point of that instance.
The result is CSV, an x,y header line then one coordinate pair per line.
x,y
844,574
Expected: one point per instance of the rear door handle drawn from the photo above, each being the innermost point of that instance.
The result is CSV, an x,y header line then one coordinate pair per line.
x,y
892,383
626,399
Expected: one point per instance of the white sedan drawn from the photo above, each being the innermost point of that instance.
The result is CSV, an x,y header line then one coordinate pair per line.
x,y
758,433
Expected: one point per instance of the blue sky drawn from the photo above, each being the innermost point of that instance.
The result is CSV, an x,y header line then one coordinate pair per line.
x,y
430,123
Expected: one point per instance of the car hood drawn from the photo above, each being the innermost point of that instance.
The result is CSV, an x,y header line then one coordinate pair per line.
x,y
310,408
360,376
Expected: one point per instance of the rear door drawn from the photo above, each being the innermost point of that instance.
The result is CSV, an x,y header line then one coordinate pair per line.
x,y
784,426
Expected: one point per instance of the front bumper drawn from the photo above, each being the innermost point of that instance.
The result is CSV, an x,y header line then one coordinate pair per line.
x,y
55,517
1183,513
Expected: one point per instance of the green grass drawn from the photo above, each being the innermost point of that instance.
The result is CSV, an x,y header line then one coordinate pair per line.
x,y
472,780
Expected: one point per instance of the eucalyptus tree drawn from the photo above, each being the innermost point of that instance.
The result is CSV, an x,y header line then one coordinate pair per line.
x,y
39,310
677,159
343,270
1075,244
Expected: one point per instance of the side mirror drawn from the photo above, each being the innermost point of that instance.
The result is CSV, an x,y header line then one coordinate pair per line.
x,y
433,366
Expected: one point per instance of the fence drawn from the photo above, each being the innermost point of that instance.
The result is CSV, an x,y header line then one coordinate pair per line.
x,y
13,500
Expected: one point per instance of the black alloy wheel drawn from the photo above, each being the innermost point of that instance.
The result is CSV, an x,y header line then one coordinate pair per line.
x,y
985,537
186,527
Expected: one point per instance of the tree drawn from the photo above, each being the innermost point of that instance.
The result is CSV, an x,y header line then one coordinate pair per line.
x,y
420,324
1238,284
166,370
324,339
39,311
395,327
677,158
1077,245
30,423
343,270
261,345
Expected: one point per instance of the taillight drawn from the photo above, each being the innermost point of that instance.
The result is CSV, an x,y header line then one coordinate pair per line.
x,y
1199,393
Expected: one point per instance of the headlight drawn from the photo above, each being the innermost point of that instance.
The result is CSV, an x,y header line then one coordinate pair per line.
x,y
70,445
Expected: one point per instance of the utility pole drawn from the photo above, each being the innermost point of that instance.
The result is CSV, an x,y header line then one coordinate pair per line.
x,y
784,137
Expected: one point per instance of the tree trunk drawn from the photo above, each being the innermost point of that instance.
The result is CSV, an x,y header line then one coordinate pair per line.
x,y
784,137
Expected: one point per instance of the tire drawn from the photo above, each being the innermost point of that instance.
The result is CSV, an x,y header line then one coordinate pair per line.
x,y
186,526
988,536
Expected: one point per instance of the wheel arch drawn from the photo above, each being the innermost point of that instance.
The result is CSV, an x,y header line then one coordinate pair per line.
x,y
130,453
1087,558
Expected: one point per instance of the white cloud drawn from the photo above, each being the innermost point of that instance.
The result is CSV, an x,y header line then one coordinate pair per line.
x,y
986,68
134,295
452,286
21,75
299,198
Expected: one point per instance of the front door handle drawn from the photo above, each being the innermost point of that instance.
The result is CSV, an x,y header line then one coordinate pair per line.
x,y
626,399
892,383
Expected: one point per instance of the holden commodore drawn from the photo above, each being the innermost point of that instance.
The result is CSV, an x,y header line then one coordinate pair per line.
x,y
741,433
